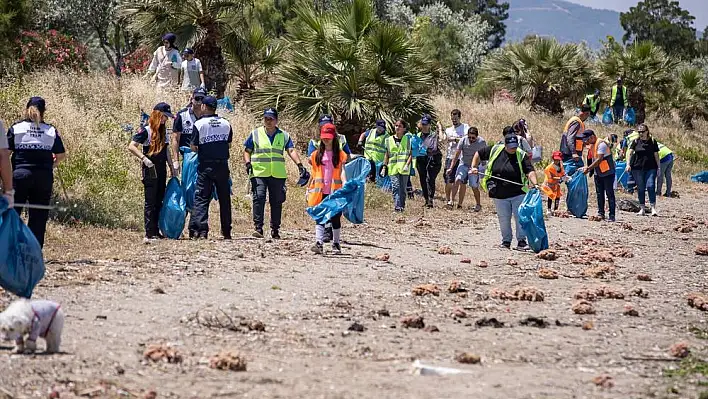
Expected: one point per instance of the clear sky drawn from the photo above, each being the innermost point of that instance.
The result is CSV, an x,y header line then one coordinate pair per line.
x,y
697,8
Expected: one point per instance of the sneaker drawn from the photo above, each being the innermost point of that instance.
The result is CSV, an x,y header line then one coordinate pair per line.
x,y
398,210
549,213
258,233
522,246
317,248
227,236
641,210
611,219
149,240
477,208
275,234
411,196
601,216
505,245
192,234
203,236
449,205
336,248
653,211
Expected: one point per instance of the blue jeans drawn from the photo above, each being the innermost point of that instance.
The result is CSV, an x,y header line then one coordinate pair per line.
x,y
665,171
399,184
618,111
505,209
646,180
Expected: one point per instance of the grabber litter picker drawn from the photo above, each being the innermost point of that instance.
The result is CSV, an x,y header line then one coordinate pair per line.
x,y
45,207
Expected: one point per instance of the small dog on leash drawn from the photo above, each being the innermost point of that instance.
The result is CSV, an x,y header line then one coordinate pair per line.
x,y
25,320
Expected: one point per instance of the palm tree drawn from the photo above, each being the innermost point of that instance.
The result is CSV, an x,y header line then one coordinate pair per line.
x,y
350,64
646,70
199,24
690,96
542,72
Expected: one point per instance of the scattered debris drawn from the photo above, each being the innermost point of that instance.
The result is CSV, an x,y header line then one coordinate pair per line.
x,y
511,262
225,318
482,264
627,226
413,322
621,252
604,381
431,329
583,307
698,301
426,289
534,322
421,369
456,286
599,271
547,254
382,257
531,294
445,250
383,313
702,249
652,230
679,350
466,260
459,313
639,291
629,310
468,358
228,361
547,273
587,325
158,290
643,277
421,223
595,218
357,327
489,322
561,214
162,352
599,292
150,395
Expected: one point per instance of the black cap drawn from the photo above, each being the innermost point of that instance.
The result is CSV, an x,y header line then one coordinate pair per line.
x,y
165,109
584,108
210,101
199,92
587,134
37,102
511,141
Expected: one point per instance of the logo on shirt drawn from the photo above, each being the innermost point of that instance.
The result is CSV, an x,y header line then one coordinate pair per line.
x,y
187,123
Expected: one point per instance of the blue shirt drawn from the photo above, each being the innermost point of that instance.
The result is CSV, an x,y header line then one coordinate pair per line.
x,y
212,136
32,146
249,140
184,122
311,147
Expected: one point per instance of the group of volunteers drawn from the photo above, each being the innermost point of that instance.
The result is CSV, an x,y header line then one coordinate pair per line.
x,y
619,101
171,69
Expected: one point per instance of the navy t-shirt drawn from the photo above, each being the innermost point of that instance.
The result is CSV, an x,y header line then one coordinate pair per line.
x,y
144,136
184,122
32,146
212,136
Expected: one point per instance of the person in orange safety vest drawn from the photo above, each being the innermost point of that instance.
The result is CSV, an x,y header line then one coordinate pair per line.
x,y
555,174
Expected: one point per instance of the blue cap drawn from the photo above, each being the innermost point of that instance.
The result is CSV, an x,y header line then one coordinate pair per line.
x,y
164,108
587,134
170,37
37,102
270,113
199,92
426,119
511,141
381,123
187,50
324,119
210,101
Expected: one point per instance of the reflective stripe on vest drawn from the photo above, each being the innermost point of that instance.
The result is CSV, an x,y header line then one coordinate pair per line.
x,y
398,154
592,102
375,147
496,150
314,189
607,166
267,159
664,151
614,96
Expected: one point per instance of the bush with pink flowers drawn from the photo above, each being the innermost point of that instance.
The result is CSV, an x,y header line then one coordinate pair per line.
x,y
39,50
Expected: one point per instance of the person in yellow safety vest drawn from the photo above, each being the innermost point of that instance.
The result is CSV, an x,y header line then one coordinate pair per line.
x,y
593,101
374,143
328,176
398,162
619,100
264,156
571,145
603,165
507,178
666,164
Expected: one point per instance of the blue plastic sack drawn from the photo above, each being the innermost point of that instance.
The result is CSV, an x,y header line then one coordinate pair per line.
x,y
621,173
630,117
349,199
189,176
577,198
531,220
225,103
700,177
384,183
174,210
21,260
607,117
571,166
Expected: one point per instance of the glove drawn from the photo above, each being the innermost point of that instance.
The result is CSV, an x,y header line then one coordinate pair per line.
x,y
302,170
565,179
10,197
147,162
360,145
175,166
384,171
249,169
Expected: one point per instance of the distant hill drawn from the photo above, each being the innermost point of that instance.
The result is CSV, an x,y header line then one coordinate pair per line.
x,y
567,22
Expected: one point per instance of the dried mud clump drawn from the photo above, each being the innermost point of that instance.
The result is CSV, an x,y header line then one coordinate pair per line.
x,y
431,329
466,260
627,226
583,307
512,262
426,289
643,277
686,226
413,322
547,273
640,292
702,249
228,361
581,260
459,313
600,256
468,358
652,230
679,350
445,250
531,294
604,381
561,214
698,301
599,271
591,294
482,264
588,325
162,353
629,310
595,218
382,257
623,253
456,286
547,254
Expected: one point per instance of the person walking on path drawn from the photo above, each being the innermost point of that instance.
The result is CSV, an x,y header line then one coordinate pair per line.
x,y
644,162
154,158
264,157
571,141
602,164
374,143
465,152
328,176
397,163
555,174
666,165
429,164
619,100
453,135
191,72
166,64
507,178
593,101
36,150
6,168
211,140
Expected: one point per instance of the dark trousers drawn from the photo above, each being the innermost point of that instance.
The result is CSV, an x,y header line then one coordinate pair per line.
x,y
553,204
209,175
428,170
618,111
605,186
35,187
154,186
276,197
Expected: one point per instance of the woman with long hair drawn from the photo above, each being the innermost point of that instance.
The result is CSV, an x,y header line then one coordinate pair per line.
x,y
36,150
643,163
327,177
155,159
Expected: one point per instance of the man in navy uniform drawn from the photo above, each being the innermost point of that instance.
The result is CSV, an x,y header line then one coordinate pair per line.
x,y
184,122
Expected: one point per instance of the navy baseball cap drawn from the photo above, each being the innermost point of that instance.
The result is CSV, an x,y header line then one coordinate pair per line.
x,y
270,113
210,101
426,119
187,50
199,92
37,102
587,134
511,141
165,109
584,108
381,123
324,119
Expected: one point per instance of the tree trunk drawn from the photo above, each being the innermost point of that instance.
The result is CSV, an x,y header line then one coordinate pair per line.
x,y
546,100
637,101
209,53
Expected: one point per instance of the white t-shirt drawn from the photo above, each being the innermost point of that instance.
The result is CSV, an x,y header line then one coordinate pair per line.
x,y
166,64
603,149
453,133
190,74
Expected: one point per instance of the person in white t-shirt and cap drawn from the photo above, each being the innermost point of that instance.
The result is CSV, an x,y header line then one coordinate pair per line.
x,y
453,135
6,168
166,63
191,74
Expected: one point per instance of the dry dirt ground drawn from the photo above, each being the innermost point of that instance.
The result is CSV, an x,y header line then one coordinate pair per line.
x,y
201,298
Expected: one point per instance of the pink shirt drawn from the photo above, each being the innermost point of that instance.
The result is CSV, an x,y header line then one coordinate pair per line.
x,y
328,169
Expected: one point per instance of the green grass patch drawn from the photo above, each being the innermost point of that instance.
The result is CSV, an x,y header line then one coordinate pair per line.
x,y
698,332
688,366
693,155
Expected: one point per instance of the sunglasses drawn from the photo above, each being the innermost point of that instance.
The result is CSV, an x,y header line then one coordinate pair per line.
x,y
198,99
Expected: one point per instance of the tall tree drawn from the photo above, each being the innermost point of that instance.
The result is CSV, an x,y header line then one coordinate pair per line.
x,y
663,22
494,14
14,16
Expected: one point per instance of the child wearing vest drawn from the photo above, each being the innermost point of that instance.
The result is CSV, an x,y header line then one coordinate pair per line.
x,y
555,174
327,177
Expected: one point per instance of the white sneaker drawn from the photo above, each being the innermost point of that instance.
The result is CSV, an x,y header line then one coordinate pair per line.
x,y
549,213
641,210
653,211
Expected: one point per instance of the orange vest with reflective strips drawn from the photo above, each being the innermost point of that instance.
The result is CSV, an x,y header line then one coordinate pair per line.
x,y
604,166
317,182
578,142
551,187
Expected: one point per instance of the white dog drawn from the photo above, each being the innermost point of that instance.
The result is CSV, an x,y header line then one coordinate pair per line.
x,y
33,319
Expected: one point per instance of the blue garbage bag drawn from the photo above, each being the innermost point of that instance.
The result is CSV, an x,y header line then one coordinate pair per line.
x,y
349,199
531,220
571,166
225,103
700,177
189,176
174,210
21,260
607,118
621,173
630,117
384,183
577,198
